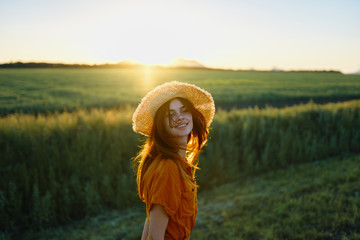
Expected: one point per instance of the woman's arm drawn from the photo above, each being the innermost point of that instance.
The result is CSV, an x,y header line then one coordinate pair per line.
x,y
145,230
158,222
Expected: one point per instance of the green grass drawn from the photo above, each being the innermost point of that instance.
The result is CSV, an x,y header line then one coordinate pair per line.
x,y
42,90
58,168
318,200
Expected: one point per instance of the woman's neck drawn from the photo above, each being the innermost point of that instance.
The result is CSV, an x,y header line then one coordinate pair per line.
x,y
182,142
182,152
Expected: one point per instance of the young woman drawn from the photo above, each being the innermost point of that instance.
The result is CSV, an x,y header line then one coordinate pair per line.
x,y
175,117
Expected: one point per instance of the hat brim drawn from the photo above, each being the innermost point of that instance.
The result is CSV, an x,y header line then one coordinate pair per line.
x,y
143,117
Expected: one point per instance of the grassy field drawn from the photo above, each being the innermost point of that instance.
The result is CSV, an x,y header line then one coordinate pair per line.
x,y
59,168
42,90
318,200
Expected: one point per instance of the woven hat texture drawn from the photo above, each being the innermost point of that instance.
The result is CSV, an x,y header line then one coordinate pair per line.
x,y
144,114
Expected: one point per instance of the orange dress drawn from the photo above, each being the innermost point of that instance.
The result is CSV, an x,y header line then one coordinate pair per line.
x,y
166,186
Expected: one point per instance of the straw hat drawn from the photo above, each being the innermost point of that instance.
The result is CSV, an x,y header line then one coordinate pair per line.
x,y
144,114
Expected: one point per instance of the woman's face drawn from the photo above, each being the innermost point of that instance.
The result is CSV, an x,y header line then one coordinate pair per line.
x,y
178,122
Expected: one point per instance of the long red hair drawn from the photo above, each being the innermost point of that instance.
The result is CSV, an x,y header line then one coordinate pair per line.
x,y
160,143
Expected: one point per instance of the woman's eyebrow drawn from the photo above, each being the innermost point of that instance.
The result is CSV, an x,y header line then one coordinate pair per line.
x,y
181,107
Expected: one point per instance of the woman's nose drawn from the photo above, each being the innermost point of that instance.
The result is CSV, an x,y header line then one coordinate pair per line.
x,y
179,117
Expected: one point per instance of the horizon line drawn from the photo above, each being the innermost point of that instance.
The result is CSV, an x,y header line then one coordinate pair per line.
x,y
134,64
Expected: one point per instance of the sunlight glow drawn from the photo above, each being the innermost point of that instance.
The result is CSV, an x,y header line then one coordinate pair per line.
x,y
148,79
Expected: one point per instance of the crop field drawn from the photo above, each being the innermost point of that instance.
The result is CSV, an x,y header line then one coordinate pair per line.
x,y
318,200
265,173
42,90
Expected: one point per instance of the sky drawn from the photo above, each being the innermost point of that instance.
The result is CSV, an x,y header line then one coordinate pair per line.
x,y
230,34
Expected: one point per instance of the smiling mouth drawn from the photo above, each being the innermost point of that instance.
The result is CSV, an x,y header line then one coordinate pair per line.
x,y
182,125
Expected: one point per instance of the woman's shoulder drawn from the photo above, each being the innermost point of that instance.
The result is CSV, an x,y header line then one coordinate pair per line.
x,y
165,161
166,164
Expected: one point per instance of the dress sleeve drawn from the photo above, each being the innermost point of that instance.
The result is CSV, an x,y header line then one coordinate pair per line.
x,y
165,188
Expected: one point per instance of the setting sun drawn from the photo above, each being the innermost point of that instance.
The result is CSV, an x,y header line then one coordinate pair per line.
x,y
143,34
